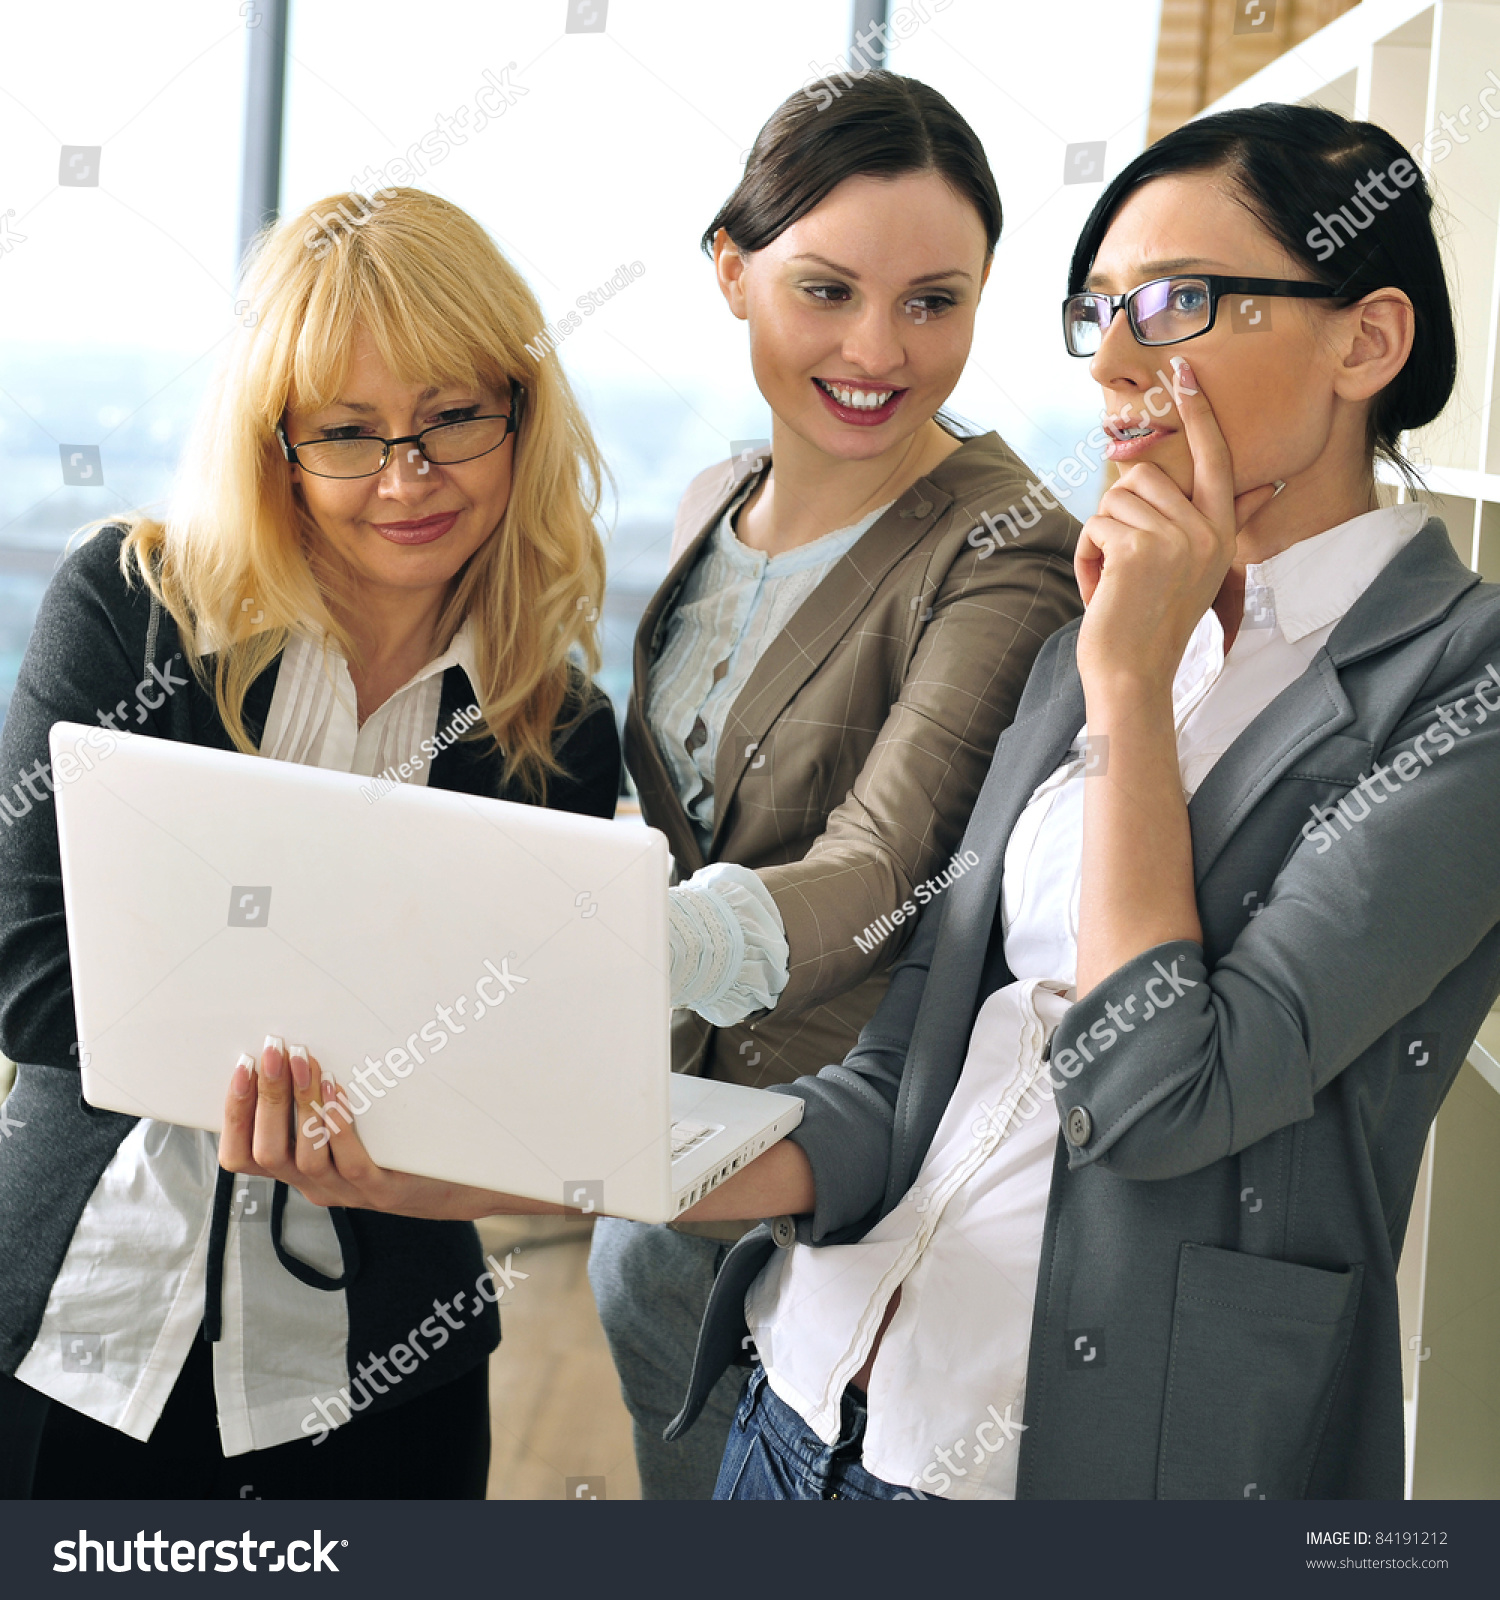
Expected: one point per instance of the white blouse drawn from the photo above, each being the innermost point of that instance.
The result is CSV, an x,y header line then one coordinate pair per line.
x,y
947,1390
127,1302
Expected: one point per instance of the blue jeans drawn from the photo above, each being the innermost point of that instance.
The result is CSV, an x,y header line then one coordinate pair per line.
x,y
651,1285
773,1455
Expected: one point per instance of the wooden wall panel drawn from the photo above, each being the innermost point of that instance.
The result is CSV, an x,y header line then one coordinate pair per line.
x,y
1200,56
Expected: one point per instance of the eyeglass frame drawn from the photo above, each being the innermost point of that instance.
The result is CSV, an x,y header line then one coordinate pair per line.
x,y
512,419
1217,286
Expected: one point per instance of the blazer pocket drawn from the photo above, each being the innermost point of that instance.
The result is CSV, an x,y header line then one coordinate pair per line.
x,y
1257,1348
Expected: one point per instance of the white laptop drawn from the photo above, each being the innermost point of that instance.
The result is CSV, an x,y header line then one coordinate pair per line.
x,y
493,975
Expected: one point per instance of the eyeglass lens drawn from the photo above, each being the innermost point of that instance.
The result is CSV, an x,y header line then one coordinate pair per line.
x,y
445,445
1164,311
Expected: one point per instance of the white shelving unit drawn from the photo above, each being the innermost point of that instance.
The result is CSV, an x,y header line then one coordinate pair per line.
x,y
1409,66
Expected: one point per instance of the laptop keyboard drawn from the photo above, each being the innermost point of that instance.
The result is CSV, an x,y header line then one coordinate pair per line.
x,y
686,1135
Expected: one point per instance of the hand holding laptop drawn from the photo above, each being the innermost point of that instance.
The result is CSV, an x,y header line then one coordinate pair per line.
x,y
491,976
284,1120
275,1116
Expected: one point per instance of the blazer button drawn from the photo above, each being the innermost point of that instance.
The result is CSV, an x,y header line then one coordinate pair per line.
x,y
784,1232
1079,1126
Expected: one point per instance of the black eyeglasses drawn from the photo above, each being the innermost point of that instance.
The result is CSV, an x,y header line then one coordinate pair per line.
x,y
364,455
1168,310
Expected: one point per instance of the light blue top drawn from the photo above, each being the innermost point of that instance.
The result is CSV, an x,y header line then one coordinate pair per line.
x,y
732,605
728,945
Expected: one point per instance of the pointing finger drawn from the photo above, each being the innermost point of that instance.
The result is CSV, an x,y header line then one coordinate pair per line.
x,y
1213,469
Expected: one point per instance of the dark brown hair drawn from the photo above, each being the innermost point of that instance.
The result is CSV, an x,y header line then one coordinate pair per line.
x,y
875,124
1298,169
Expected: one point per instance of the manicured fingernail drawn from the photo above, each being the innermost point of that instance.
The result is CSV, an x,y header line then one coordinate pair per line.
x,y
1183,372
1280,485
276,1066
242,1076
301,1072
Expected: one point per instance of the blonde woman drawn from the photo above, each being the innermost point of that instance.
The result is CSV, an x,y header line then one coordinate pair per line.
x,y
383,550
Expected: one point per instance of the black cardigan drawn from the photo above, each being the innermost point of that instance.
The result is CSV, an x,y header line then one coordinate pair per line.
x,y
101,648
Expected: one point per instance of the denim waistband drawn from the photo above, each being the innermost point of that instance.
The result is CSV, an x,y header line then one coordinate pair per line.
x,y
794,1435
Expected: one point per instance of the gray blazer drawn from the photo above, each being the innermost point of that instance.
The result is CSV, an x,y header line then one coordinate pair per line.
x,y
1232,1185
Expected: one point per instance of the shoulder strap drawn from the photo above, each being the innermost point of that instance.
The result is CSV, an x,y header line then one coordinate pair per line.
x,y
152,628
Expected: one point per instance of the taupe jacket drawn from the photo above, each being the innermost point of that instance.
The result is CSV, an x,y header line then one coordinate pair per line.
x,y
851,759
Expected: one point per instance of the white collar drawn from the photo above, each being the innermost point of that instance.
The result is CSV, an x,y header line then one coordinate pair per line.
x,y
1308,586
460,653
1315,581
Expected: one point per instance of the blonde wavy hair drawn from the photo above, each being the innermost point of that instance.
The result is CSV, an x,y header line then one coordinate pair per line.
x,y
238,561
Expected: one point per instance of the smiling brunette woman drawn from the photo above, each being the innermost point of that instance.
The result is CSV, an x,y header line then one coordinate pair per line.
x,y
823,674
385,531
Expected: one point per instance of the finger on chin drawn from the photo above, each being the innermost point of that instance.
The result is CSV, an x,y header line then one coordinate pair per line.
x,y
1254,501
1213,470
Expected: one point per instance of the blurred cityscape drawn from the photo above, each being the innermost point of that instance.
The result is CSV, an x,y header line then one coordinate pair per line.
x,y
134,407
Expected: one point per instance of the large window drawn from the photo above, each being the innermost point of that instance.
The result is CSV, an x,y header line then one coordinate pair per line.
x,y
587,135
118,200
